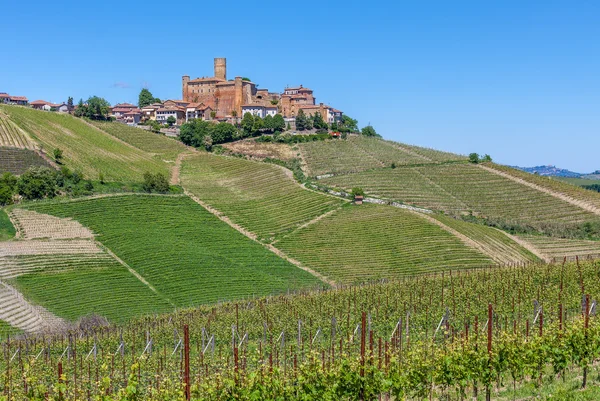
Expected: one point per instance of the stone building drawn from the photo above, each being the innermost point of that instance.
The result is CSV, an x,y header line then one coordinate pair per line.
x,y
225,97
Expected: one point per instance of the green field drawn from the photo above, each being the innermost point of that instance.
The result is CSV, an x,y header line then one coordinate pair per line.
x,y
260,197
559,248
465,188
186,253
359,153
163,148
84,147
7,230
368,242
6,330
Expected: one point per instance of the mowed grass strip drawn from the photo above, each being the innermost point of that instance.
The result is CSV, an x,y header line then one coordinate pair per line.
x,y
84,147
368,242
72,286
462,187
260,197
7,230
493,242
165,148
186,253
559,248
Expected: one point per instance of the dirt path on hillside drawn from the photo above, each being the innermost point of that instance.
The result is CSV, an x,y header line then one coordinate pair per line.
x,y
253,237
175,179
469,242
576,202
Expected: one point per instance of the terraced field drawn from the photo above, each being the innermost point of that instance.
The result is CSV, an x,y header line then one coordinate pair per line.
x,y
360,243
559,248
260,197
188,255
164,148
359,153
85,147
11,136
462,188
491,241
17,161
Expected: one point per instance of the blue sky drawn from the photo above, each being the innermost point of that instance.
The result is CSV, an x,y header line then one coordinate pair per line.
x,y
519,80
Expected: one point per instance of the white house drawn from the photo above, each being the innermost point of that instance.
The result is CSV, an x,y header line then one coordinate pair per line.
x,y
258,110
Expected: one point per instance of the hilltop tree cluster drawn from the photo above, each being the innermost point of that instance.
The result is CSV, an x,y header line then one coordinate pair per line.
x,y
255,125
95,108
199,133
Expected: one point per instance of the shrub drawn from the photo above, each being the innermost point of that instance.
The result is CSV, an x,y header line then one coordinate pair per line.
x,y
155,183
58,155
357,191
474,158
37,183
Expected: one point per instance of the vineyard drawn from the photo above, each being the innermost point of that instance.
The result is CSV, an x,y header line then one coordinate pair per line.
x,y
358,153
164,148
177,251
558,248
11,136
261,198
17,161
502,248
465,188
85,148
453,335
262,150
370,242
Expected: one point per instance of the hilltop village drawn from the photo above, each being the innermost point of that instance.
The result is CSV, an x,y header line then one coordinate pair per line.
x,y
208,98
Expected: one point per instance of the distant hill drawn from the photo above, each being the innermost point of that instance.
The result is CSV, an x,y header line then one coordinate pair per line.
x,y
552,171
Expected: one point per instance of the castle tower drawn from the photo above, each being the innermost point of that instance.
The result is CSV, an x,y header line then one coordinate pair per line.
x,y
221,68
184,87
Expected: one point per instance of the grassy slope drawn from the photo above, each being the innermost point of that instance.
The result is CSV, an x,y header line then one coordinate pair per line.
x,y
186,253
259,197
7,230
85,148
358,153
493,241
577,181
367,242
163,148
464,187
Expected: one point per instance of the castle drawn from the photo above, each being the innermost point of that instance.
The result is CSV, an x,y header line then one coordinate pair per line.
x,y
236,97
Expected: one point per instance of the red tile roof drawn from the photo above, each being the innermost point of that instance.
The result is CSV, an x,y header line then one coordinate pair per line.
x,y
37,102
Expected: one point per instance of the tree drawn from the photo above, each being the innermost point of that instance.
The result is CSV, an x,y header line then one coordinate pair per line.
x,y
247,123
222,132
357,191
486,158
37,183
58,155
213,114
234,113
171,120
155,183
8,187
318,121
301,121
145,98
474,158
278,123
96,108
369,131
258,125
70,103
207,142
268,123
348,124
193,132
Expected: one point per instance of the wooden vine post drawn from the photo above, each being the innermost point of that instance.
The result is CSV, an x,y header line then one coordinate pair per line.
x,y
488,391
186,351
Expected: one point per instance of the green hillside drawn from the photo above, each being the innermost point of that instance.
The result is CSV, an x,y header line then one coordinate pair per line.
x,y
85,148
465,188
368,242
17,161
358,153
189,256
163,148
262,198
